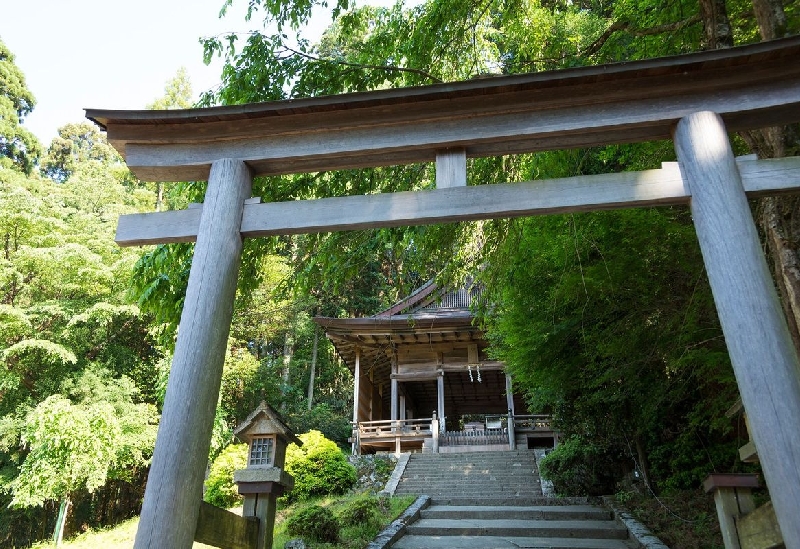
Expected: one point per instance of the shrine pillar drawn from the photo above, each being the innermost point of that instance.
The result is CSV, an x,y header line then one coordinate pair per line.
x,y
762,354
356,394
175,484
440,401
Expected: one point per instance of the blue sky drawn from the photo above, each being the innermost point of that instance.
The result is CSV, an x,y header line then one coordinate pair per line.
x,y
113,54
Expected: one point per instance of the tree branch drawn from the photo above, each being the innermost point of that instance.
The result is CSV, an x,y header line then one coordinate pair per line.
x,y
595,46
420,72
620,26
668,27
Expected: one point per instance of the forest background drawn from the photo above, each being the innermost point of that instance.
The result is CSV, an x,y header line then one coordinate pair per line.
x,y
605,320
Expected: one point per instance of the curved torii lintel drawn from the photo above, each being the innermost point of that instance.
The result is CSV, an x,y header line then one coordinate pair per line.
x,y
751,87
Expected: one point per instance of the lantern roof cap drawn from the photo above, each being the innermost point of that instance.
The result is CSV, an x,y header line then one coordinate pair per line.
x,y
264,420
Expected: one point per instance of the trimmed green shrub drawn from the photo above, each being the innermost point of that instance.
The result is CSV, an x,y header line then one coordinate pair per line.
x,y
319,467
580,467
362,511
220,489
314,523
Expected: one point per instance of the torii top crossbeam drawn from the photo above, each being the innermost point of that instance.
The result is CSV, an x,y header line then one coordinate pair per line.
x,y
693,99
581,107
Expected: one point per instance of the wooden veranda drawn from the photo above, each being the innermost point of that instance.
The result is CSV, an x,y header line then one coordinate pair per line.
x,y
695,100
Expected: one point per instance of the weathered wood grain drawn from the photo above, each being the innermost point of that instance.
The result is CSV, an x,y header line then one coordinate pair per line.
x,y
762,354
759,529
518,132
730,504
356,388
174,486
593,192
220,528
451,169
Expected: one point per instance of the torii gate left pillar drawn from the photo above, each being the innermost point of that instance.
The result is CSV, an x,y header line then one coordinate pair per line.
x,y
174,487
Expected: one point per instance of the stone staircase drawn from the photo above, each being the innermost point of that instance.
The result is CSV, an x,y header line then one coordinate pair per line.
x,y
471,476
493,500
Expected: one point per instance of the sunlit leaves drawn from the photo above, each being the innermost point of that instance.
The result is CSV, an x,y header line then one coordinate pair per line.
x,y
77,144
14,325
177,93
19,148
293,13
32,367
79,443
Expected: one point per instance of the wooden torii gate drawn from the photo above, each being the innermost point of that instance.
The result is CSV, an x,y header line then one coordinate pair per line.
x,y
693,99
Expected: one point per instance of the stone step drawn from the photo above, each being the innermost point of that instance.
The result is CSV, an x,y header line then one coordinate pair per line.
x,y
494,500
469,491
472,498
474,456
472,470
521,512
594,529
507,542
449,466
505,501
471,459
435,491
468,488
530,479
471,479
463,473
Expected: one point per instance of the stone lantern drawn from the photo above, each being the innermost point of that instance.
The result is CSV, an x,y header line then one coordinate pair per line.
x,y
264,480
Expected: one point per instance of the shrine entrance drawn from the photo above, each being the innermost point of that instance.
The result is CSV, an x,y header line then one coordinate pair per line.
x,y
423,357
692,99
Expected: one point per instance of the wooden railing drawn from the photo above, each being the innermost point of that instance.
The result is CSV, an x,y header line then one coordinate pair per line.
x,y
494,429
474,437
537,422
389,427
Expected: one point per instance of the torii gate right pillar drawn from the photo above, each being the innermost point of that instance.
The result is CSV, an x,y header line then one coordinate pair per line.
x,y
764,360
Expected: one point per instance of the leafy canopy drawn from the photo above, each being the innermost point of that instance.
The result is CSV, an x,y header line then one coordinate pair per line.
x,y
19,148
79,442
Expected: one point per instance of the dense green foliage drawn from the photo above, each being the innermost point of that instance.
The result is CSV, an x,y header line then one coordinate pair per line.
x,y
315,523
580,467
219,487
608,320
78,146
19,148
319,467
363,511
78,360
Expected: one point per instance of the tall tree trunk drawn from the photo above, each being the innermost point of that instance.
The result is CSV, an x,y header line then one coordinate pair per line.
x,y
287,359
717,33
313,368
58,535
779,216
644,465
771,18
159,196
